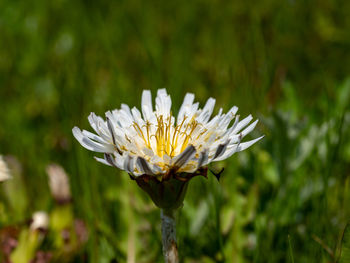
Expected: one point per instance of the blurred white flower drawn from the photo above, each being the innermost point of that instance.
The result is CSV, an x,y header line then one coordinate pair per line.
x,y
4,171
59,183
154,143
40,221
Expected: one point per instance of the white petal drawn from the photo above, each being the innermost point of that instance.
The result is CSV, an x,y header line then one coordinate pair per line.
x,y
163,103
136,114
245,145
203,159
167,159
129,164
242,124
228,117
221,150
121,118
186,106
156,169
237,148
125,108
101,160
111,130
146,104
118,160
100,127
92,136
249,128
110,159
156,159
184,157
233,127
90,144
207,111
143,166
148,152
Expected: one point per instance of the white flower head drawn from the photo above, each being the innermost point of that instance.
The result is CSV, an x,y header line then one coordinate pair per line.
x,y
40,221
4,170
154,142
59,183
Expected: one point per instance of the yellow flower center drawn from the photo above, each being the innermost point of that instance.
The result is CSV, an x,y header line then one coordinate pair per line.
x,y
167,136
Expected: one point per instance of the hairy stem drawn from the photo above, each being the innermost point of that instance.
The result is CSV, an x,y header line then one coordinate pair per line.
x,y
169,236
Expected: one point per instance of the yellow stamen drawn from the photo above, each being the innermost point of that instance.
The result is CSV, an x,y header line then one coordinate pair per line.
x,y
139,131
169,136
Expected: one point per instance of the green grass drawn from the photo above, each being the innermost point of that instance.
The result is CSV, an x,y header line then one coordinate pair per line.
x,y
286,62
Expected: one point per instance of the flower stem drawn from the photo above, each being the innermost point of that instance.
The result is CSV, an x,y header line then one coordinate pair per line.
x,y
169,236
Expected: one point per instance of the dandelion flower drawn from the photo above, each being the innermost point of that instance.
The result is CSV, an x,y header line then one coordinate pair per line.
x,y
156,143
161,152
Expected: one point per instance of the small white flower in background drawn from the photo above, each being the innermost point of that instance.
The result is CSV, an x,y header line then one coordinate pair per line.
x,y
59,183
157,143
4,170
40,221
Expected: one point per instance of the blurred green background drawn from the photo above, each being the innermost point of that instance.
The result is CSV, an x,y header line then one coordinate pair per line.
x,y
287,62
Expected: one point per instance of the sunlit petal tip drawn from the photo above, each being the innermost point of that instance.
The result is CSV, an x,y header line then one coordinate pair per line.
x,y
77,133
245,145
249,129
102,160
92,117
